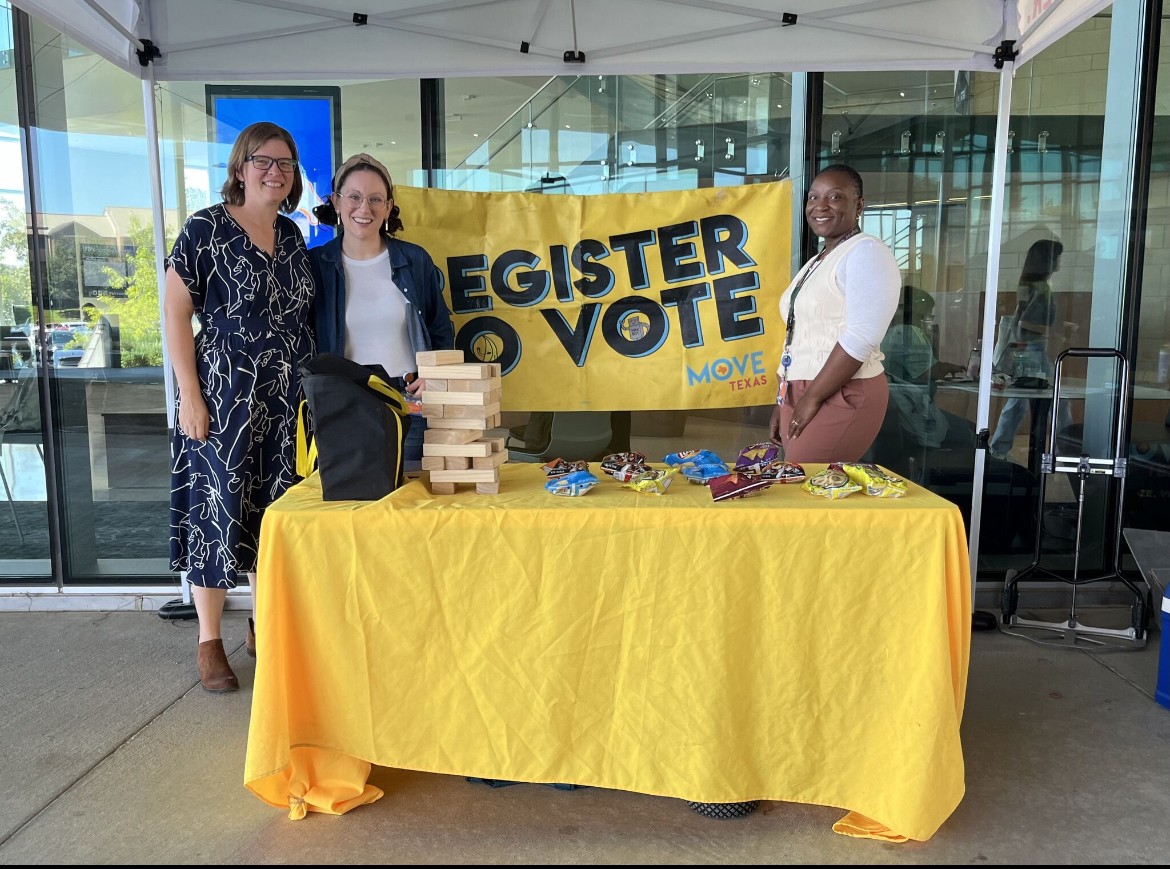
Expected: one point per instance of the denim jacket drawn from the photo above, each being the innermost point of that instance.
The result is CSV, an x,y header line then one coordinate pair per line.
x,y
416,275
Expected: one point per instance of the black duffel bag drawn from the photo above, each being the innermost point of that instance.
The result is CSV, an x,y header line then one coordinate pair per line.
x,y
356,426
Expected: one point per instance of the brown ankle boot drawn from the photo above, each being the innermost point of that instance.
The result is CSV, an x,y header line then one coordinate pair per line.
x,y
215,673
250,639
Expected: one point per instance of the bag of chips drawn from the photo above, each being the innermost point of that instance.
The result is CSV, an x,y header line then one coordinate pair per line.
x,y
874,480
832,483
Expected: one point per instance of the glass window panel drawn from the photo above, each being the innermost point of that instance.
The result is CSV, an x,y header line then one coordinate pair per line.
x,y
1148,484
101,345
24,517
923,141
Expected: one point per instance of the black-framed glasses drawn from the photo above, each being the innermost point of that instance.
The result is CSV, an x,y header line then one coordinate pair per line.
x,y
355,200
263,162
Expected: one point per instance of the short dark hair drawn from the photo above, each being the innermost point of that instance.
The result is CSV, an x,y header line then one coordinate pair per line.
x,y
853,174
250,139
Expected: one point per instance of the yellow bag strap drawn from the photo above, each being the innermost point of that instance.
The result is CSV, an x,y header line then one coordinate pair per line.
x,y
397,402
306,449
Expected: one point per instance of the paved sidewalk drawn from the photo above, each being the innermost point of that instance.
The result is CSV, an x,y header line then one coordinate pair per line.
x,y
114,754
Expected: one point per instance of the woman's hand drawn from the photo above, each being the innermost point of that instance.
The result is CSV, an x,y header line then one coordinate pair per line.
x,y
774,433
194,419
804,412
415,386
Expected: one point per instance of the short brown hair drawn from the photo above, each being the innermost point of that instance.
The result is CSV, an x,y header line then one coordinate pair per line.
x,y
250,140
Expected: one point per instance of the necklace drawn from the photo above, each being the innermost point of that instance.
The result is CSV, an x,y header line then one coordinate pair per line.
x,y
790,325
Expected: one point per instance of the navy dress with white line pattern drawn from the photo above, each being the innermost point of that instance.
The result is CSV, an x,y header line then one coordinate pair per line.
x,y
253,312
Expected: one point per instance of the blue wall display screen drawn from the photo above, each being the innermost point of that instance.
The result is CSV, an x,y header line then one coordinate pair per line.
x,y
312,115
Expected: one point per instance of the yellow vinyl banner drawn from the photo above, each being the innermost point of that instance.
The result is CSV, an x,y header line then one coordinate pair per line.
x,y
642,301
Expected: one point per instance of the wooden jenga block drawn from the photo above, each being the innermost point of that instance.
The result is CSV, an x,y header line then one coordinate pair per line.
x,y
448,436
492,461
455,463
436,384
479,423
487,488
494,396
497,369
480,398
470,450
471,476
438,357
433,463
498,444
441,488
433,410
466,411
466,371
485,385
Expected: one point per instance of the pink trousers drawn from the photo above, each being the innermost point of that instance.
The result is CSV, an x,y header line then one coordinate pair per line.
x,y
844,428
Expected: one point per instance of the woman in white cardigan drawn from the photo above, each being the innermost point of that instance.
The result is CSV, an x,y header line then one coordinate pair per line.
x,y
833,391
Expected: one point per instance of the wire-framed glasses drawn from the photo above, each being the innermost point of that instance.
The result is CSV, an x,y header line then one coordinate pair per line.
x,y
355,200
264,162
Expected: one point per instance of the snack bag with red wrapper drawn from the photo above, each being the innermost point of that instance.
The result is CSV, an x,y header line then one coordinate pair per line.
x,y
737,484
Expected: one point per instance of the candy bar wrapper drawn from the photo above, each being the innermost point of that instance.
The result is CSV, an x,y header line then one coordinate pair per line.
x,y
875,481
784,472
832,483
573,485
652,480
616,461
559,467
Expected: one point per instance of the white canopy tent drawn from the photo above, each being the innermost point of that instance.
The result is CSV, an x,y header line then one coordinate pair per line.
x,y
224,40
344,39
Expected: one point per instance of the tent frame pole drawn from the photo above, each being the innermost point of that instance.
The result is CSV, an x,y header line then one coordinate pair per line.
x,y
990,304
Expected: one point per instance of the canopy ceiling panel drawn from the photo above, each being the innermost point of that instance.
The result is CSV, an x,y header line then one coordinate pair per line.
x,y
280,39
1042,23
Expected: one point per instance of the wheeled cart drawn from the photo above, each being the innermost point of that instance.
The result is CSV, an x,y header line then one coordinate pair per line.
x,y
1070,631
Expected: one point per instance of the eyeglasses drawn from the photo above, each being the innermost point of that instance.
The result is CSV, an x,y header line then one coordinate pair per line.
x,y
264,162
355,200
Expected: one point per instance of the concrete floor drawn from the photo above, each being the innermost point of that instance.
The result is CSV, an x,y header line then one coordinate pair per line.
x,y
112,753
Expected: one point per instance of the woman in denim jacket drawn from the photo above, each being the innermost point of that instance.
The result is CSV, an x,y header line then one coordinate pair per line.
x,y
379,299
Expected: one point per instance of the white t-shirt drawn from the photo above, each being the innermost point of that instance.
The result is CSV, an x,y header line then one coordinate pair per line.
x,y
375,316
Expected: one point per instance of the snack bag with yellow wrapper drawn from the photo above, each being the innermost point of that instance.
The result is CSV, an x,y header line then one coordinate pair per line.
x,y
832,483
652,480
875,481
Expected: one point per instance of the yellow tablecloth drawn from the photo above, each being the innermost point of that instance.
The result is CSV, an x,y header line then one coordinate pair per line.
x,y
779,647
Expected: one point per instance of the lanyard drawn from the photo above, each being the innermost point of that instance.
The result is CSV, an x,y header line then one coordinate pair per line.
x,y
790,325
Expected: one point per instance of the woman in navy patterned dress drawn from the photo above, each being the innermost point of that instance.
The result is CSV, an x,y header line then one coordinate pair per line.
x,y
242,271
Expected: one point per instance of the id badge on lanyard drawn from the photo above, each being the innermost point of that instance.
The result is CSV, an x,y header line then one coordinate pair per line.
x,y
790,327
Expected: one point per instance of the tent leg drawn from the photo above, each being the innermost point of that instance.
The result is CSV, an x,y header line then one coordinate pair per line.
x,y
991,290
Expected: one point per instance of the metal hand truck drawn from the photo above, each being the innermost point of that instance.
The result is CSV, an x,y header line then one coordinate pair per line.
x,y
1070,631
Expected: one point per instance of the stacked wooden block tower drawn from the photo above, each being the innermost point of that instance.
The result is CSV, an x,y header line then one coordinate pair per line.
x,y
460,400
